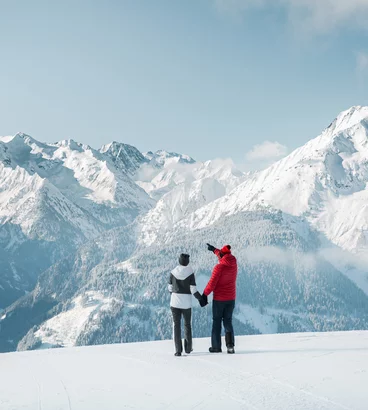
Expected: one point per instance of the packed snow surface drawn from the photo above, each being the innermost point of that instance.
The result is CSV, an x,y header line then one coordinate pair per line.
x,y
289,371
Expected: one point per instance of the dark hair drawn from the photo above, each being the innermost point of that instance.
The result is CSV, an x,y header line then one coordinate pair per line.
x,y
184,259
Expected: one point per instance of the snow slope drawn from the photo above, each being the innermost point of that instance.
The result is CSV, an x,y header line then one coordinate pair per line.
x,y
324,181
162,158
124,156
290,371
179,202
55,197
283,285
64,328
159,181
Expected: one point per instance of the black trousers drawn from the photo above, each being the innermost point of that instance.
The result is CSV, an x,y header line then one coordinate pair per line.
x,y
222,312
187,315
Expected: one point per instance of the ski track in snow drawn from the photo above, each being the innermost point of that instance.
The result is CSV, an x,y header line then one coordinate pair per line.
x,y
67,394
38,388
326,371
39,395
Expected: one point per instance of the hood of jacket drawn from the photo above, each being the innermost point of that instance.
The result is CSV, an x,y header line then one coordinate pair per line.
x,y
182,272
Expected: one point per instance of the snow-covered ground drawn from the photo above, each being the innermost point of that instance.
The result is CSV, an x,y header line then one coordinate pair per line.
x,y
289,371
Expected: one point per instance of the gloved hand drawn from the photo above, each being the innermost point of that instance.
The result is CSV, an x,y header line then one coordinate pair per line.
x,y
210,247
198,296
204,301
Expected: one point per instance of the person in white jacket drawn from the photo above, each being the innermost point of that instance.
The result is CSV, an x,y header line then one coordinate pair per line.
x,y
182,286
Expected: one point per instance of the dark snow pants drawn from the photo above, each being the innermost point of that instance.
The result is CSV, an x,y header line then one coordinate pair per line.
x,y
187,315
222,311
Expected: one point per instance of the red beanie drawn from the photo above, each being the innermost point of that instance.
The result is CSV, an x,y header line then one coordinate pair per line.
x,y
226,249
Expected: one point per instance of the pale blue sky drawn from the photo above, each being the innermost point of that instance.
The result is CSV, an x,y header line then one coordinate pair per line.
x,y
204,77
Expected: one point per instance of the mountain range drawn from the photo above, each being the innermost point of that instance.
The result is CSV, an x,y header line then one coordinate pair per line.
x,y
88,238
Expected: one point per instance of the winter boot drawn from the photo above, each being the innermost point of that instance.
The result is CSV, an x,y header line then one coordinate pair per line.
x,y
188,349
214,350
229,338
177,354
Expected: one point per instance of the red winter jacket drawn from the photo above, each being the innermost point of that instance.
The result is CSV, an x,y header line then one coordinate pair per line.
x,y
223,279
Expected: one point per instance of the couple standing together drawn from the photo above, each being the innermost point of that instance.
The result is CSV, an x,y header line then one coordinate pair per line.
x,y
182,286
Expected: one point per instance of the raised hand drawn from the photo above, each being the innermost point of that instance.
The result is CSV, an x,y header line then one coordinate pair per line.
x,y
210,247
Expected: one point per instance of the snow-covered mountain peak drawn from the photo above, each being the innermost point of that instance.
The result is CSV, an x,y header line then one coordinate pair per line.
x,y
54,197
161,158
180,202
124,156
159,182
348,118
18,136
347,134
223,170
114,146
23,150
345,137
19,140
78,172
73,145
325,181
27,138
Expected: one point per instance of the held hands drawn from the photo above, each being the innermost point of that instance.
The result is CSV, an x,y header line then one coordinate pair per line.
x,y
203,301
210,247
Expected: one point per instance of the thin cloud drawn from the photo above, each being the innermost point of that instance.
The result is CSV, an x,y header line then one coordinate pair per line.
x,y
317,16
267,151
261,156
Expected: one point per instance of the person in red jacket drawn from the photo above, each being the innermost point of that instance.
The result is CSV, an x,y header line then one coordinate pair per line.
x,y
223,285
